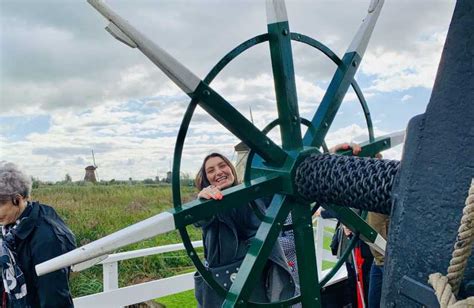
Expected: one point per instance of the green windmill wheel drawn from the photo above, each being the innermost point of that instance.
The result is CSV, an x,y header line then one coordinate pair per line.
x,y
271,169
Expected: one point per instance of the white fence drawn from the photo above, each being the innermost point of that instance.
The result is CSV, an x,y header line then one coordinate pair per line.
x,y
113,296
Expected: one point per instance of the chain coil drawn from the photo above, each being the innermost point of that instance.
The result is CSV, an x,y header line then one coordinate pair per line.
x,y
357,182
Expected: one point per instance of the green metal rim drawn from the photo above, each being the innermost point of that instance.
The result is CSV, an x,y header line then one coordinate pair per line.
x,y
331,55
176,187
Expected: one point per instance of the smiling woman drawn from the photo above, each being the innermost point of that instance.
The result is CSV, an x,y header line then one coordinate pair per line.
x,y
216,173
226,237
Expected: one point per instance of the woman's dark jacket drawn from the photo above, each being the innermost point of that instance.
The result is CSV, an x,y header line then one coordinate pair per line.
x,y
41,236
226,239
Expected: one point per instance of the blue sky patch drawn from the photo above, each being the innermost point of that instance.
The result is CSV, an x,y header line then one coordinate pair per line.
x,y
17,128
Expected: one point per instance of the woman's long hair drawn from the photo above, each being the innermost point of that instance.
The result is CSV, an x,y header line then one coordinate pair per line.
x,y
201,180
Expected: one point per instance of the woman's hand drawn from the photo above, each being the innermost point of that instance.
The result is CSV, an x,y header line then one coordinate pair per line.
x,y
211,192
347,231
356,149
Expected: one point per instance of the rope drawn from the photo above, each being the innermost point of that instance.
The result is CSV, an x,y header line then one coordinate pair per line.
x,y
446,287
463,245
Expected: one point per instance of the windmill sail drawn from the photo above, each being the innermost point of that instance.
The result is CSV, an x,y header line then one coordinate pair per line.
x,y
95,165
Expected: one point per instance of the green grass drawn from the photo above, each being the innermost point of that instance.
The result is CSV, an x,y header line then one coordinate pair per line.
x,y
94,211
327,243
328,264
327,246
179,300
329,229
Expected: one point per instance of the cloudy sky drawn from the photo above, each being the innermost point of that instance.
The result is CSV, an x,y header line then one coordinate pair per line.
x,y
67,86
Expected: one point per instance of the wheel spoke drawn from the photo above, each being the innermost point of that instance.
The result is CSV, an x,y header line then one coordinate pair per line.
x,y
237,124
259,251
332,99
235,196
283,74
342,79
369,149
305,255
359,226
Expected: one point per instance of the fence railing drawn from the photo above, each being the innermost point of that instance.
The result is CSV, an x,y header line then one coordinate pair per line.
x,y
113,296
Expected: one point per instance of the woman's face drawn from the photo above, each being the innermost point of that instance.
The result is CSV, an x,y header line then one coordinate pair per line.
x,y
8,212
218,172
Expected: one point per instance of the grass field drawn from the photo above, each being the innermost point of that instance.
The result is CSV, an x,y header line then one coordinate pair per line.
x,y
94,211
180,300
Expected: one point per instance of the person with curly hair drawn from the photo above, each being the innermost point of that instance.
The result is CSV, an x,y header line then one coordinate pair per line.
x,y
31,234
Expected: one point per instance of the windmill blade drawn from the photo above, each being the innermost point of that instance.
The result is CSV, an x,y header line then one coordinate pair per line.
x,y
379,144
95,165
276,11
251,115
89,263
361,39
397,138
126,33
97,175
93,158
153,226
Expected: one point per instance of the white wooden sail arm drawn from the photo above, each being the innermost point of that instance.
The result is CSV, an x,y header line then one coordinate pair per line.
x,y
153,226
126,33
361,39
276,11
397,138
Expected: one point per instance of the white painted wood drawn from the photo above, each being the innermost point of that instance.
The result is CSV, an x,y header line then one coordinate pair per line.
x,y
137,293
328,256
397,138
177,72
153,226
321,252
361,39
119,35
276,11
338,277
373,5
89,263
379,244
110,276
147,252
319,239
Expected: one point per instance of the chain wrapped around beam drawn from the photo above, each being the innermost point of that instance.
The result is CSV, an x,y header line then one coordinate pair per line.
x,y
357,182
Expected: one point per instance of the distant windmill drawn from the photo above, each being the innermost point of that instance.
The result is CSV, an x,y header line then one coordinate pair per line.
x,y
91,171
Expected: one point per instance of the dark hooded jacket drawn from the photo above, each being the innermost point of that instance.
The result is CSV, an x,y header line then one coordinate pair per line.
x,y
41,236
226,239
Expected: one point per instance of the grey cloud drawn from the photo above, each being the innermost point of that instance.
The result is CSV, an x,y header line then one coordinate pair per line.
x,y
62,151
62,46
59,152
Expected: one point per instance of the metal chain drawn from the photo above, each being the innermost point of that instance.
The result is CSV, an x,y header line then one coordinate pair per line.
x,y
357,182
